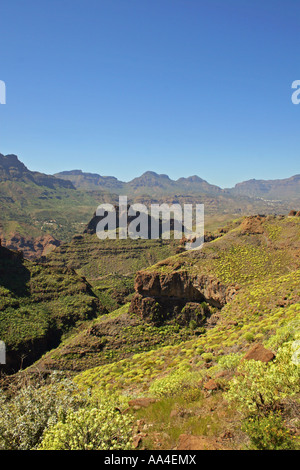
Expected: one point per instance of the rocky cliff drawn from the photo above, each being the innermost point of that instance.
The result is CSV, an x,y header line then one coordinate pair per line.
x,y
160,296
32,248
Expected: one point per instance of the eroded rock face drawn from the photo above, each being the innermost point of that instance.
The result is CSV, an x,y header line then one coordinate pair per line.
x,y
161,295
32,248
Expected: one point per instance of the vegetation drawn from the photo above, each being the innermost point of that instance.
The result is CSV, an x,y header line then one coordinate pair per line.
x,y
110,266
53,415
38,304
192,380
101,428
25,416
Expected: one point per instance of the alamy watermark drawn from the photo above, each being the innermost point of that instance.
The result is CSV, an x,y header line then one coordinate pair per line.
x,y
296,94
296,352
2,92
137,221
2,353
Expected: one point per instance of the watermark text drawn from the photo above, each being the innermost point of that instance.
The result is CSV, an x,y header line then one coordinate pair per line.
x,y
2,92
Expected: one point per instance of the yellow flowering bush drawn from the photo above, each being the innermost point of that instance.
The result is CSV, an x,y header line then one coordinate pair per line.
x,y
101,428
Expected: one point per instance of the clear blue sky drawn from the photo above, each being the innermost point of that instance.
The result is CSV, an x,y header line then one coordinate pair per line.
x,y
182,87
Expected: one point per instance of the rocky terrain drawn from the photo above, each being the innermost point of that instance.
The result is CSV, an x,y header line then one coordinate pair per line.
x,y
179,345
34,205
32,248
197,349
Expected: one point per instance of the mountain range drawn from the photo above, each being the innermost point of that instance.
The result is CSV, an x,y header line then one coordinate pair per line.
x,y
12,169
40,211
161,184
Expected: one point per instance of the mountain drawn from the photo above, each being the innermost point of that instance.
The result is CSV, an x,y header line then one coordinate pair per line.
x,y
197,184
157,185
35,206
11,169
150,179
90,181
148,183
280,189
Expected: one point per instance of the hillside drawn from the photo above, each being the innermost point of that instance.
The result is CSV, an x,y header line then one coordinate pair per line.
x,y
39,212
110,265
204,356
38,305
201,327
287,189
11,169
196,288
239,293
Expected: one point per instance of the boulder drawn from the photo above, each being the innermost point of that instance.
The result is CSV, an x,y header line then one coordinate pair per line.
x,y
211,385
259,353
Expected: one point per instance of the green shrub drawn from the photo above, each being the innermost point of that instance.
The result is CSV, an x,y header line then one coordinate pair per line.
x,y
259,386
24,418
249,337
229,361
208,357
284,334
192,325
268,433
101,428
260,390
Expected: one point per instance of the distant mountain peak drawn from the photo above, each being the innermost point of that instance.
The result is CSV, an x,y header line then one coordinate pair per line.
x,y
155,175
12,169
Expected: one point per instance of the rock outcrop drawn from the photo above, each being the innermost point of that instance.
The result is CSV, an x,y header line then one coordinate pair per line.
x,y
161,295
91,227
32,248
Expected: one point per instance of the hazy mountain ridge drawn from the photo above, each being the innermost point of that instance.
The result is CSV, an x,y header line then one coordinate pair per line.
x,y
279,189
286,188
12,169
34,205
148,181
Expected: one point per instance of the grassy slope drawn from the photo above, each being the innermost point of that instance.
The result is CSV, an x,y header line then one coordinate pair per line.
x,y
110,265
266,268
32,210
37,305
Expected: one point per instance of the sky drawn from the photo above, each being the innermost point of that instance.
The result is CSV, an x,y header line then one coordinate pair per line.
x,y
179,87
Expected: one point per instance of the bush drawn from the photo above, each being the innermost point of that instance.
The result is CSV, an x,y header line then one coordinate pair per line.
x,y
102,428
268,433
260,390
249,337
24,418
259,386
229,361
284,334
